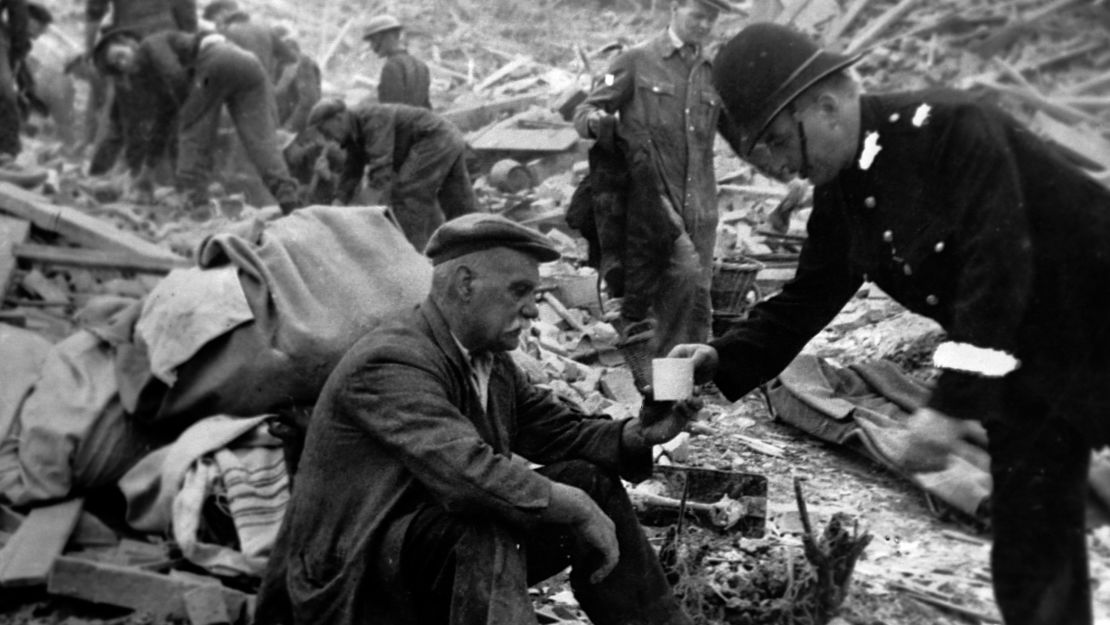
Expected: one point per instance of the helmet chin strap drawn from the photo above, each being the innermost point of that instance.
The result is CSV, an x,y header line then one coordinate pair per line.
x,y
804,172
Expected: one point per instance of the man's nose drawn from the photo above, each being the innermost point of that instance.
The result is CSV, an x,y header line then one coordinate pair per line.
x,y
530,310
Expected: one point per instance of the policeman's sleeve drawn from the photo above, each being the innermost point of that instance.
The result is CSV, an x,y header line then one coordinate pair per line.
x,y
777,329
994,256
615,89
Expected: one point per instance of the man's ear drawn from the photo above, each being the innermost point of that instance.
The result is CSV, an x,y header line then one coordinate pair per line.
x,y
462,283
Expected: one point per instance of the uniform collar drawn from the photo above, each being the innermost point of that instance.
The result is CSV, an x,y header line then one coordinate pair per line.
x,y
668,43
871,113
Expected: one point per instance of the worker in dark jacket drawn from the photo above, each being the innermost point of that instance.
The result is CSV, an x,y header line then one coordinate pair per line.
x,y
196,76
298,89
962,215
668,120
404,78
115,104
15,43
261,40
414,152
414,500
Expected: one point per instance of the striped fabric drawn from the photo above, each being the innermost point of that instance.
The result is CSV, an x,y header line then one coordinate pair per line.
x,y
257,492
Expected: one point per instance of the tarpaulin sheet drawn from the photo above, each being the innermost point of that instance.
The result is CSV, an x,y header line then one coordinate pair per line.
x,y
865,407
312,283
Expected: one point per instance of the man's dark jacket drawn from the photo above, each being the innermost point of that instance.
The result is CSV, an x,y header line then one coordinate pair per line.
x,y
398,424
962,215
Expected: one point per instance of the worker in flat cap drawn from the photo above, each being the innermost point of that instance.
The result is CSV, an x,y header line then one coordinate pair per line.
x,y
415,501
963,215
404,78
414,153
662,185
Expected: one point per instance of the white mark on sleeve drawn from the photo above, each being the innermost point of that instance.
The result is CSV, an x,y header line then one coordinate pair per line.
x,y
609,80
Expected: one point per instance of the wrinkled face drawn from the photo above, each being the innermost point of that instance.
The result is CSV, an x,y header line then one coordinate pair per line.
x,y
693,21
121,56
502,301
805,142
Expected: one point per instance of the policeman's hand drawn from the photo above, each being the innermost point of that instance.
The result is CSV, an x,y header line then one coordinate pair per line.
x,y
933,438
705,360
589,523
660,421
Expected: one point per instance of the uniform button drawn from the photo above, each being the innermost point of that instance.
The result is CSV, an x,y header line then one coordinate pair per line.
x,y
931,300
691,129
906,269
894,117
655,89
888,236
939,247
869,201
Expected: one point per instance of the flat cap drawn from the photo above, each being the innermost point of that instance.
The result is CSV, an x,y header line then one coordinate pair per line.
x,y
475,232
324,110
380,24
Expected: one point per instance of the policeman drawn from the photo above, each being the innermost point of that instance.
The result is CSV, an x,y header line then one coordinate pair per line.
x,y
962,215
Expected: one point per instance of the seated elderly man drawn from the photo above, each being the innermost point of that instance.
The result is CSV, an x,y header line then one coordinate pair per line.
x,y
415,501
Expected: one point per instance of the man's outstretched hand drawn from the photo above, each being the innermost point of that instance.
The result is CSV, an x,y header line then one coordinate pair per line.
x,y
704,357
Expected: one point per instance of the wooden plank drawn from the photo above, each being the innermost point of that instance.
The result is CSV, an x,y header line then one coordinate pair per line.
x,y
13,231
76,226
1055,109
503,72
1089,149
876,27
474,117
840,25
96,259
27,559
510,139
128,587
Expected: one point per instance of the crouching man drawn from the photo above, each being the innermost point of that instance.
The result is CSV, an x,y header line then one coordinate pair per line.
x,y
415,501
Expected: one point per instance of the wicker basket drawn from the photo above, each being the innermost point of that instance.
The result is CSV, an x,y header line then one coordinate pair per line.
x,y
733,285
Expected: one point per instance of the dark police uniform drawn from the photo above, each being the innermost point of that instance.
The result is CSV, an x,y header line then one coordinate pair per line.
x,y
963,215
